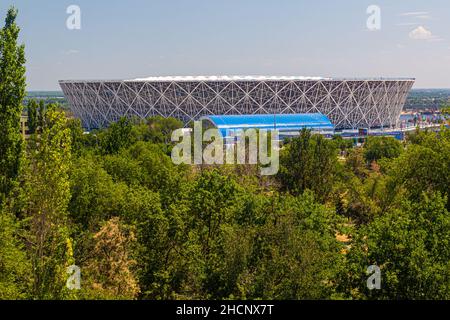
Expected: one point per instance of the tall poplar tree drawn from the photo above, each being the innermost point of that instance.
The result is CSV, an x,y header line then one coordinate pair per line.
x,y
12,93
14,266
47,193
32,116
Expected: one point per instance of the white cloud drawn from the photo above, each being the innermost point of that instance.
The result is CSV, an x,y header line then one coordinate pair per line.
x,y
421,33
71,51
416,13
407,24
424,17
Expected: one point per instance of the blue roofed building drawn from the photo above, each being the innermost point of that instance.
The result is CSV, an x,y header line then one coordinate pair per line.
x,y
286,124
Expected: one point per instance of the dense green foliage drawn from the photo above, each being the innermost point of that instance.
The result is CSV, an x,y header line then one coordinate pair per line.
x,y
411,245
377,148
222,232
32,113
308,162
46,195
12,93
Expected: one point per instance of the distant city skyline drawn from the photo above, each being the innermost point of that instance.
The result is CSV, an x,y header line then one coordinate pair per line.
x,y
139,39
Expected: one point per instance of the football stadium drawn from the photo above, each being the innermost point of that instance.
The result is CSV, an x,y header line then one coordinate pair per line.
x,y
348,103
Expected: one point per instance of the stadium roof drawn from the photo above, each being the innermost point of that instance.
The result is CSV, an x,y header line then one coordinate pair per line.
x,y
280,122
228,78
256,78
236,78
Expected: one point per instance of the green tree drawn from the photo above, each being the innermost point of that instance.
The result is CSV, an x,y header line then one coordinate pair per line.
x,y
41,113
160,129
411,245
356,163
117,136
308,162
32,116
95,197
423,167
212,210
294,254
15,268
78,138
147,164
343,144
12,93
377,148
213,196
47,193
159,235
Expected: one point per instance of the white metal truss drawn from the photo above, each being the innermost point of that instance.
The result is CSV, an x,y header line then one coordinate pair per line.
x,y
349,103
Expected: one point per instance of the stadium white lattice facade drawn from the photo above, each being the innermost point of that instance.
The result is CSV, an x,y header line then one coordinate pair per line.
x,y
348,103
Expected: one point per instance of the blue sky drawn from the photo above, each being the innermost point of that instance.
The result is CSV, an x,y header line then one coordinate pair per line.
x,y
140,38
